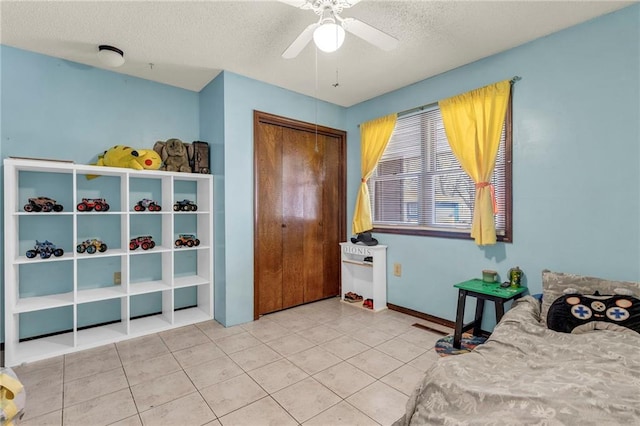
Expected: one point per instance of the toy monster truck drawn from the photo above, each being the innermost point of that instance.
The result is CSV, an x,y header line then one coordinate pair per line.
x,y
185,206
45,249
145,241
97,204
91,246
146,203
42,204
188,240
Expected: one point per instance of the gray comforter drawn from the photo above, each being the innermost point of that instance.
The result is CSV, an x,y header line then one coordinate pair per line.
x,y
528,374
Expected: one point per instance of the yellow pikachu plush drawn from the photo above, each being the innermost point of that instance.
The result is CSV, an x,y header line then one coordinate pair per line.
x,y
124,156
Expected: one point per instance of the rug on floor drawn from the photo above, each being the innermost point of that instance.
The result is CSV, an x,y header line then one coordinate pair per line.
x,y
444,346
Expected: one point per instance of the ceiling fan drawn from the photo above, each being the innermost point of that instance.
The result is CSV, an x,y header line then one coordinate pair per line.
x,y
329,12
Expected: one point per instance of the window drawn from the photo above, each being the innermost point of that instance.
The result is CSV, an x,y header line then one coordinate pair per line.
x,y
419,188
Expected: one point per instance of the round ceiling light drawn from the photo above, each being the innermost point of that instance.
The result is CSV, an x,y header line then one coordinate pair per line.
x,y
110,56
329,37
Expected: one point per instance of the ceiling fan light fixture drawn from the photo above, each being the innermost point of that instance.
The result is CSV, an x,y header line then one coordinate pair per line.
x,y
110,56
328,37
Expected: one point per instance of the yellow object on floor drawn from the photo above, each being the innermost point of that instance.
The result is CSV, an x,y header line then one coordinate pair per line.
x,y
12,398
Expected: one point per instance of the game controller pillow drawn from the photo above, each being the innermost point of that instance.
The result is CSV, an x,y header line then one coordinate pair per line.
x,y
577,313
555,284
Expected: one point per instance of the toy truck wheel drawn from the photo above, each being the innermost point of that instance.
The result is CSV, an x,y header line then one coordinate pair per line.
x,y
82,207
57,208
196,242
58,252
189,243
156,207
91,249
31,254
152,244
194,207
106,207
138,208
176,208
99,207
45,255
28,208
145,246
178,243
46,208
103,248
133,246
80,248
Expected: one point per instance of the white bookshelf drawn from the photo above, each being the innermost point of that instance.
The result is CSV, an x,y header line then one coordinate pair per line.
x,y
69,303
368,279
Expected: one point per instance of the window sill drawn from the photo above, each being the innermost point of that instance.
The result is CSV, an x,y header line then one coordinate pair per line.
x,y
461,235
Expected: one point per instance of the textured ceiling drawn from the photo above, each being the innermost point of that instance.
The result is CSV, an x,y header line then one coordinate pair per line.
x,y
190,42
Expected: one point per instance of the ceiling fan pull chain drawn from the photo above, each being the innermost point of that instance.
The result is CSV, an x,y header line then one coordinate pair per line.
x,y
315,102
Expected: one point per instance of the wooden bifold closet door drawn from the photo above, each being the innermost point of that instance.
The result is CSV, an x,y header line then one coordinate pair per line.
x,y
299,212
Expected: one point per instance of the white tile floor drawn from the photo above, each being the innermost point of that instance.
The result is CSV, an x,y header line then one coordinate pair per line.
x,y
325,363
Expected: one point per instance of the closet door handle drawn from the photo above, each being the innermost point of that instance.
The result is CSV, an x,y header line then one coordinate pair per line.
x,y
284,225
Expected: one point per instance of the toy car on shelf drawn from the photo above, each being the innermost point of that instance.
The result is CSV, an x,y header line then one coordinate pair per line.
x,y
45,249
91,246
185,206
97,204
42,204
145,241
145,204
188,240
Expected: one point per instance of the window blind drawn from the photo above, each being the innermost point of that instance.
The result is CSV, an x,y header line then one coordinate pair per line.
x,y
419,184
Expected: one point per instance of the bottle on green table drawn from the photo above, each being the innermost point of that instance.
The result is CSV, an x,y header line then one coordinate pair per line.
x,y
515,277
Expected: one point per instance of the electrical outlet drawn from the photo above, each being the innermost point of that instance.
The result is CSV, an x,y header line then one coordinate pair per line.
x,y
117,278
397,269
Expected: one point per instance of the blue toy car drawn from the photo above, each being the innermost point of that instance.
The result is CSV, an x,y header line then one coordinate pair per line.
x,y
45,249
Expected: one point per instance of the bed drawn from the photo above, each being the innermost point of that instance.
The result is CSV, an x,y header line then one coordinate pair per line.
x,y
528,374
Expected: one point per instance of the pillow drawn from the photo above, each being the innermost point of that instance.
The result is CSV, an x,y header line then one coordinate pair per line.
x,y
555,283
578,313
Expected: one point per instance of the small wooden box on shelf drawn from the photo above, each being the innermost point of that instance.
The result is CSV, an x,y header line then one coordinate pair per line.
x,y
366,278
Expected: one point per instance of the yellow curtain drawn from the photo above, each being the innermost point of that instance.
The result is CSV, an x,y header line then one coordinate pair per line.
x,y
473,122
374,137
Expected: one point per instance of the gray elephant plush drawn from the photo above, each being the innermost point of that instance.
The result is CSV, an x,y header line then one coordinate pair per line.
x,y
175,155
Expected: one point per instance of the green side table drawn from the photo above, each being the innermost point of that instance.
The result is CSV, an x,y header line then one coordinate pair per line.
x,y
481,291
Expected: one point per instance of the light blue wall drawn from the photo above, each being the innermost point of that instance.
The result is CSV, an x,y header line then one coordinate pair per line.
x,y
241,97
52,108
59,109
576,164
212,131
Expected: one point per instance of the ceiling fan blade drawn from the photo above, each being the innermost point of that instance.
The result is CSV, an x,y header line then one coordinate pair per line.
x,y
302,4
370,34
300,42
349,3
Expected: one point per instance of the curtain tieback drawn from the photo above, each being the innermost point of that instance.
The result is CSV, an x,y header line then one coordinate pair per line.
x,y
493,194
363,180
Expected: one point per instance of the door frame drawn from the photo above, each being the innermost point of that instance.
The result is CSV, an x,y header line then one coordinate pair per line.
x,y
260,117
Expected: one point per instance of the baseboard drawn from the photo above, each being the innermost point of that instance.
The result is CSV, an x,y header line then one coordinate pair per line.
x,y
422,315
